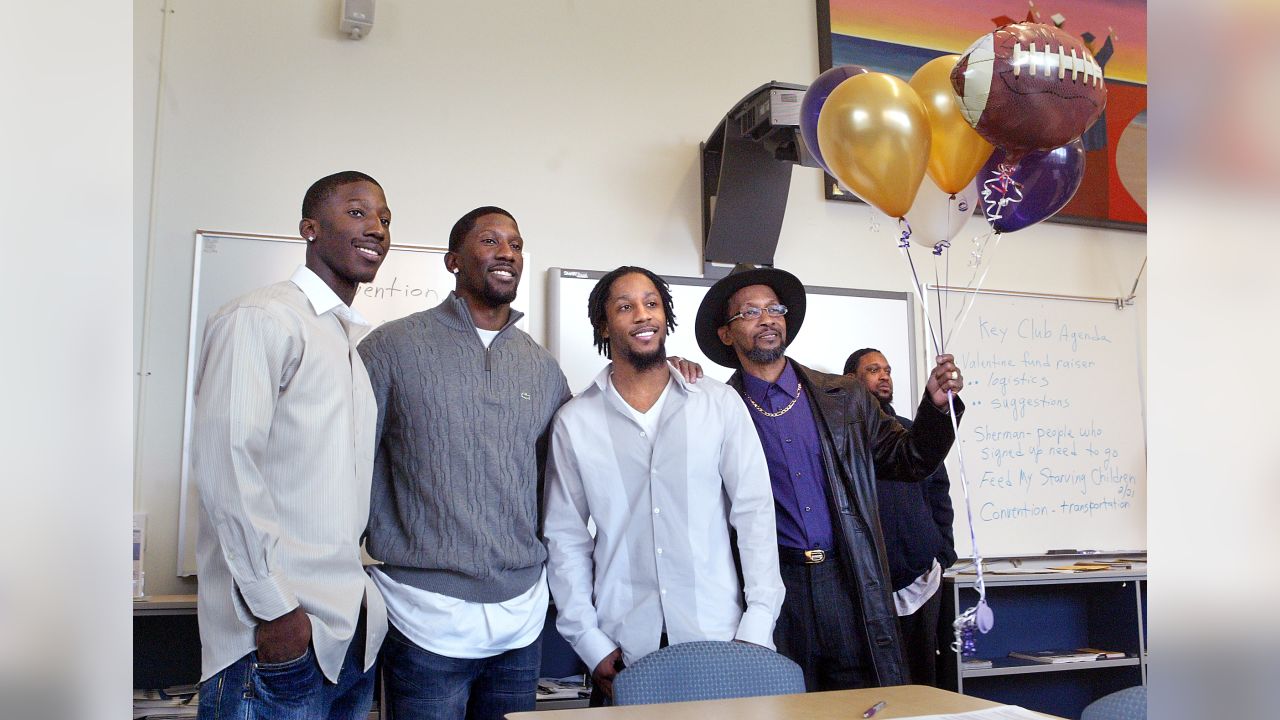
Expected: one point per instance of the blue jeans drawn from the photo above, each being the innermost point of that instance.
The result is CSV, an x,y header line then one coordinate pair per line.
x,y
421,685
293,690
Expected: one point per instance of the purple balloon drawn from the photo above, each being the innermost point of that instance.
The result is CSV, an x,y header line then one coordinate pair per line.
x,y
1024,192
814,98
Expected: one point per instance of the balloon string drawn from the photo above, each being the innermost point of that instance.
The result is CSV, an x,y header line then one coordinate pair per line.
x,y
939,300
1002,184
945,242
980,584
945,299
969,620
948,283
904,245
967,304
955,428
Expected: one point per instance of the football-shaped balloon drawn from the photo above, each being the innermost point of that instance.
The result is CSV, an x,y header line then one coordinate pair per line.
x,y
1029,86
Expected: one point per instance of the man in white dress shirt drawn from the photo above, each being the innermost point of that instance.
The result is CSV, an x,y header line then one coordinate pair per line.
x,y
282,454
664,468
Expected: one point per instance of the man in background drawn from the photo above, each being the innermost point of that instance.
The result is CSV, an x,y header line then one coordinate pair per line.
x,y
825,440
282,454
667,470
916,519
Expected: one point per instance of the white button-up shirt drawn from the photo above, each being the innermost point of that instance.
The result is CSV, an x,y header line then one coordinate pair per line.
x,y
662,504
282,455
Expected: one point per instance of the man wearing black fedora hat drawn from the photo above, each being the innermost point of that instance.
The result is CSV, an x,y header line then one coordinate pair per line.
x,y
825,439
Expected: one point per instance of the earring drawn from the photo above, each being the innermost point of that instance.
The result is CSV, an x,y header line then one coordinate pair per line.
x,y
311,239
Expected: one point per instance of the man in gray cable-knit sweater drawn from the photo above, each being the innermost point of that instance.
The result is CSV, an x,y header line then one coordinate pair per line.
x,y
464,403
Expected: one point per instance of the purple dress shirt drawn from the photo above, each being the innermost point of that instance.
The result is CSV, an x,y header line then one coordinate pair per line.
x,y
794,457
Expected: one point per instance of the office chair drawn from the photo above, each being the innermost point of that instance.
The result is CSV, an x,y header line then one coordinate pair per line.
x,y
1126,704
706,670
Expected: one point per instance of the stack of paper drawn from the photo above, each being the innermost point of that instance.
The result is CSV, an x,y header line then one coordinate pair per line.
x,y
168,704
570,688
1055,656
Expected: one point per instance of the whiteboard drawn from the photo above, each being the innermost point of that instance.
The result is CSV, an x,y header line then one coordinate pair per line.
x,y
837,322
1053,436
228,265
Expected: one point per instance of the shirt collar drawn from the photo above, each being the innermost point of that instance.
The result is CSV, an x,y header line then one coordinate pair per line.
x,y
602,379
787,382
322,297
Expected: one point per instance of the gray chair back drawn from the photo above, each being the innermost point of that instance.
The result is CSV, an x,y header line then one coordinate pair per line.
x,y
1126,704
707,670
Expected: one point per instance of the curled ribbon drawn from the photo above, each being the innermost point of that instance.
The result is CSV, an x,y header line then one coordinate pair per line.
x,y
1002,184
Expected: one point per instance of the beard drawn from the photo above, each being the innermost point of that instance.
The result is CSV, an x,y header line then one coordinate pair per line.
x,y
495,296
644,361
761,356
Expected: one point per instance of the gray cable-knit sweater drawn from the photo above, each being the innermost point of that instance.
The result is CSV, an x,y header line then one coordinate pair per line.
x,y
460,448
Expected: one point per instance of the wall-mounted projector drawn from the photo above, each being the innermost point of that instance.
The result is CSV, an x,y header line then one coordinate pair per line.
x,y
746,175
770,115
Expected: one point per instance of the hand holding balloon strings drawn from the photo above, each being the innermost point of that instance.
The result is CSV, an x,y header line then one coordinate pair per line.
x,y
959,116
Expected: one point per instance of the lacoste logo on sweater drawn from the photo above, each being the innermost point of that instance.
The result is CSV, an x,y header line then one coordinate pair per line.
x,y
525,395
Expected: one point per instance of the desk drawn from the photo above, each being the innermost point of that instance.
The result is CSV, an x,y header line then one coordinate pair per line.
x,y
903,701
164,605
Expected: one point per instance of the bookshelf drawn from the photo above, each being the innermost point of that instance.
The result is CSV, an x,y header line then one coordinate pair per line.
x,y
1102,609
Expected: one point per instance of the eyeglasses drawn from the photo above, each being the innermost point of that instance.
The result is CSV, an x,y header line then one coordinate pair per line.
x,y
754,313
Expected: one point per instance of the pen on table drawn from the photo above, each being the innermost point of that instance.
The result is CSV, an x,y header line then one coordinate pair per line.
x,y
874,709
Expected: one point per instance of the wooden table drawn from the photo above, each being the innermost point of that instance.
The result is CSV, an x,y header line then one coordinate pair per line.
x,y
903,701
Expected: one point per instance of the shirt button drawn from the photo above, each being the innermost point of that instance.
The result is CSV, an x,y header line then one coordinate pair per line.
x,y
788,440
656,511
806,508
643,434
797,474
659,551
663,591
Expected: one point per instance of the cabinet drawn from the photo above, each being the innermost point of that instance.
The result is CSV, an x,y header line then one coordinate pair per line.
x,y
1101,609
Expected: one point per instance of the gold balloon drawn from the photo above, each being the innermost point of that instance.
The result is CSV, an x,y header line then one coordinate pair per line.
x,y
957,151
873,131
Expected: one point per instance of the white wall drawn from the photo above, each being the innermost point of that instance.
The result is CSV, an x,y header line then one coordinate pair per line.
x,y
65,432
582,118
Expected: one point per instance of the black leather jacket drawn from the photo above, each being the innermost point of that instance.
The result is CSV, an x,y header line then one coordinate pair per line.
x,y
858,441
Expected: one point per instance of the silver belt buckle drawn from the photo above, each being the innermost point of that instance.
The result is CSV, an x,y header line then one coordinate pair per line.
x,y
813,557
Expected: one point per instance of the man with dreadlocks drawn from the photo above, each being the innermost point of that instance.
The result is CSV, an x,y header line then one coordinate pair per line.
x,y
664,468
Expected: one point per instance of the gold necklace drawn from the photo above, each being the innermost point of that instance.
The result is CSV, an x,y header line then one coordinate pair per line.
x,y
780,413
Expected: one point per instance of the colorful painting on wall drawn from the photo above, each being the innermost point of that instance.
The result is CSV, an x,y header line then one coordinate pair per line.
x,y
897,38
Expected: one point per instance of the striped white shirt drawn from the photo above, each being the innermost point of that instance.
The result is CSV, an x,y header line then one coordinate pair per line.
x,y
662,504
282,455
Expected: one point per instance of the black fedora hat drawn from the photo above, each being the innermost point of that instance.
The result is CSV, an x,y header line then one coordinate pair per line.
x,y
712,311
